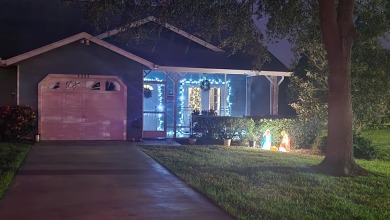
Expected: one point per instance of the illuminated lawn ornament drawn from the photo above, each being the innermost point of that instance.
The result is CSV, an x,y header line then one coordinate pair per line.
x,y
267,140
285,144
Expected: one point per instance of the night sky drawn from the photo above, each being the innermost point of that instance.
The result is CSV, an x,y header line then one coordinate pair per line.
x,y
28,24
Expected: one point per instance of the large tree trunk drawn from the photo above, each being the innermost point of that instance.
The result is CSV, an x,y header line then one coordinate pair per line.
x,y
338,33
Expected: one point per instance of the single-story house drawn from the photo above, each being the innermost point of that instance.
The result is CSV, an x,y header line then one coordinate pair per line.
x,y
88,87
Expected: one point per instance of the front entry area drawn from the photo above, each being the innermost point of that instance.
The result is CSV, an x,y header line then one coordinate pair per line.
x,y
82,107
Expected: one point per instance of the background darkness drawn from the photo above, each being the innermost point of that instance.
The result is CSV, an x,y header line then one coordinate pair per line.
x,y
28,24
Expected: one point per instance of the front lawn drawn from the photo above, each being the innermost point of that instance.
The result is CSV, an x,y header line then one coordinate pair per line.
x,y
381,140
255,184
12,155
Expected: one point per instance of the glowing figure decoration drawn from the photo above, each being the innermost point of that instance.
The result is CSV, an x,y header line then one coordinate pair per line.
x,y
285,143
267,140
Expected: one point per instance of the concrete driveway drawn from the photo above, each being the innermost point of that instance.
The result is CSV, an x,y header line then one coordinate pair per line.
x,y
100,180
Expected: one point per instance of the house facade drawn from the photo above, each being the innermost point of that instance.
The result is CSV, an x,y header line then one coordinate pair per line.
x,y
89,88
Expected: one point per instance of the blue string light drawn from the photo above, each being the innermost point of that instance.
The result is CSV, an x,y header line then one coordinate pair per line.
x,y
160,107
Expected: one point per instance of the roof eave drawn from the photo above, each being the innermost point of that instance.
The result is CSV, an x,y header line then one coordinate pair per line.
x,y
221,71
72,39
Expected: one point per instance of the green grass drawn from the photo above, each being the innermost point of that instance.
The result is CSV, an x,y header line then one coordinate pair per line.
x,y
12,155
381,140
254,184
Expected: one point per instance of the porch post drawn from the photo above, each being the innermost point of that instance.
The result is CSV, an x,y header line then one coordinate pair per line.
x,y
175,80
248,106
225,97
273,94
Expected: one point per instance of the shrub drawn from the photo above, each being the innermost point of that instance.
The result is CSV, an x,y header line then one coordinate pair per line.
x,y
276,125
302,134
217,127
252,133
16,121
363,148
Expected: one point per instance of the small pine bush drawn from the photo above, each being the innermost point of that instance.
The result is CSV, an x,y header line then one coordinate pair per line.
x,y
363,148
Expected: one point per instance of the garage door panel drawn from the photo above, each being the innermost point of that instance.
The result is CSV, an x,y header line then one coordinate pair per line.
x,y
112,131
53,130
110,114
105,100
51,100
74,100
72,116
51,115
92,131
80,109
92,116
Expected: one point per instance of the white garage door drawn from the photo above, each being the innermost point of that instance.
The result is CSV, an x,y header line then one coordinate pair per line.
x,y
79,107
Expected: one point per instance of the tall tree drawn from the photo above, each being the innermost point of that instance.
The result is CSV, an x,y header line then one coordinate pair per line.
x,y
369,82
335,20
338,33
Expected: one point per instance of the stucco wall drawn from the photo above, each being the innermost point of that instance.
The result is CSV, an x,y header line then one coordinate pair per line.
x,y
8,85
77,58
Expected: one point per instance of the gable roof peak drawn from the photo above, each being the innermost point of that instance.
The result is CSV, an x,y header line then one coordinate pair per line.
x,y
82,37
166,25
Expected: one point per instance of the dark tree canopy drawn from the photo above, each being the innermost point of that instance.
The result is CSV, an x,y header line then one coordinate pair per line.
x,y
227,24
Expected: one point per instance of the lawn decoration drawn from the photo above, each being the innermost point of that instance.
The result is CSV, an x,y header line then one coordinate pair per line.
x,y
266,141
285,144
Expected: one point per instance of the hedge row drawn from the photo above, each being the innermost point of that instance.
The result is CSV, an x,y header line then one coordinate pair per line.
x,y
302,134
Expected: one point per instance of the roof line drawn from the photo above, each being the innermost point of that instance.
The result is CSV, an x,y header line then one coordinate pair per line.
x,y
118,30
222,71
80,36
166,25
87,38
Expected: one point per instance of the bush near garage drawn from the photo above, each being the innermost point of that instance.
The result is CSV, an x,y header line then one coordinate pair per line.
x,y
16,122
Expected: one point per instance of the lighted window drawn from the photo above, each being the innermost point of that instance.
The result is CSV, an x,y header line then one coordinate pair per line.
x,y
112,86
93,85
194,98
54,85
72,85
215,99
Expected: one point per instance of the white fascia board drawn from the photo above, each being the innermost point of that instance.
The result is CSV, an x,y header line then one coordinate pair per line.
x,y
221,71
45,49
122,52
72,39
118,30
169,26
193,38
